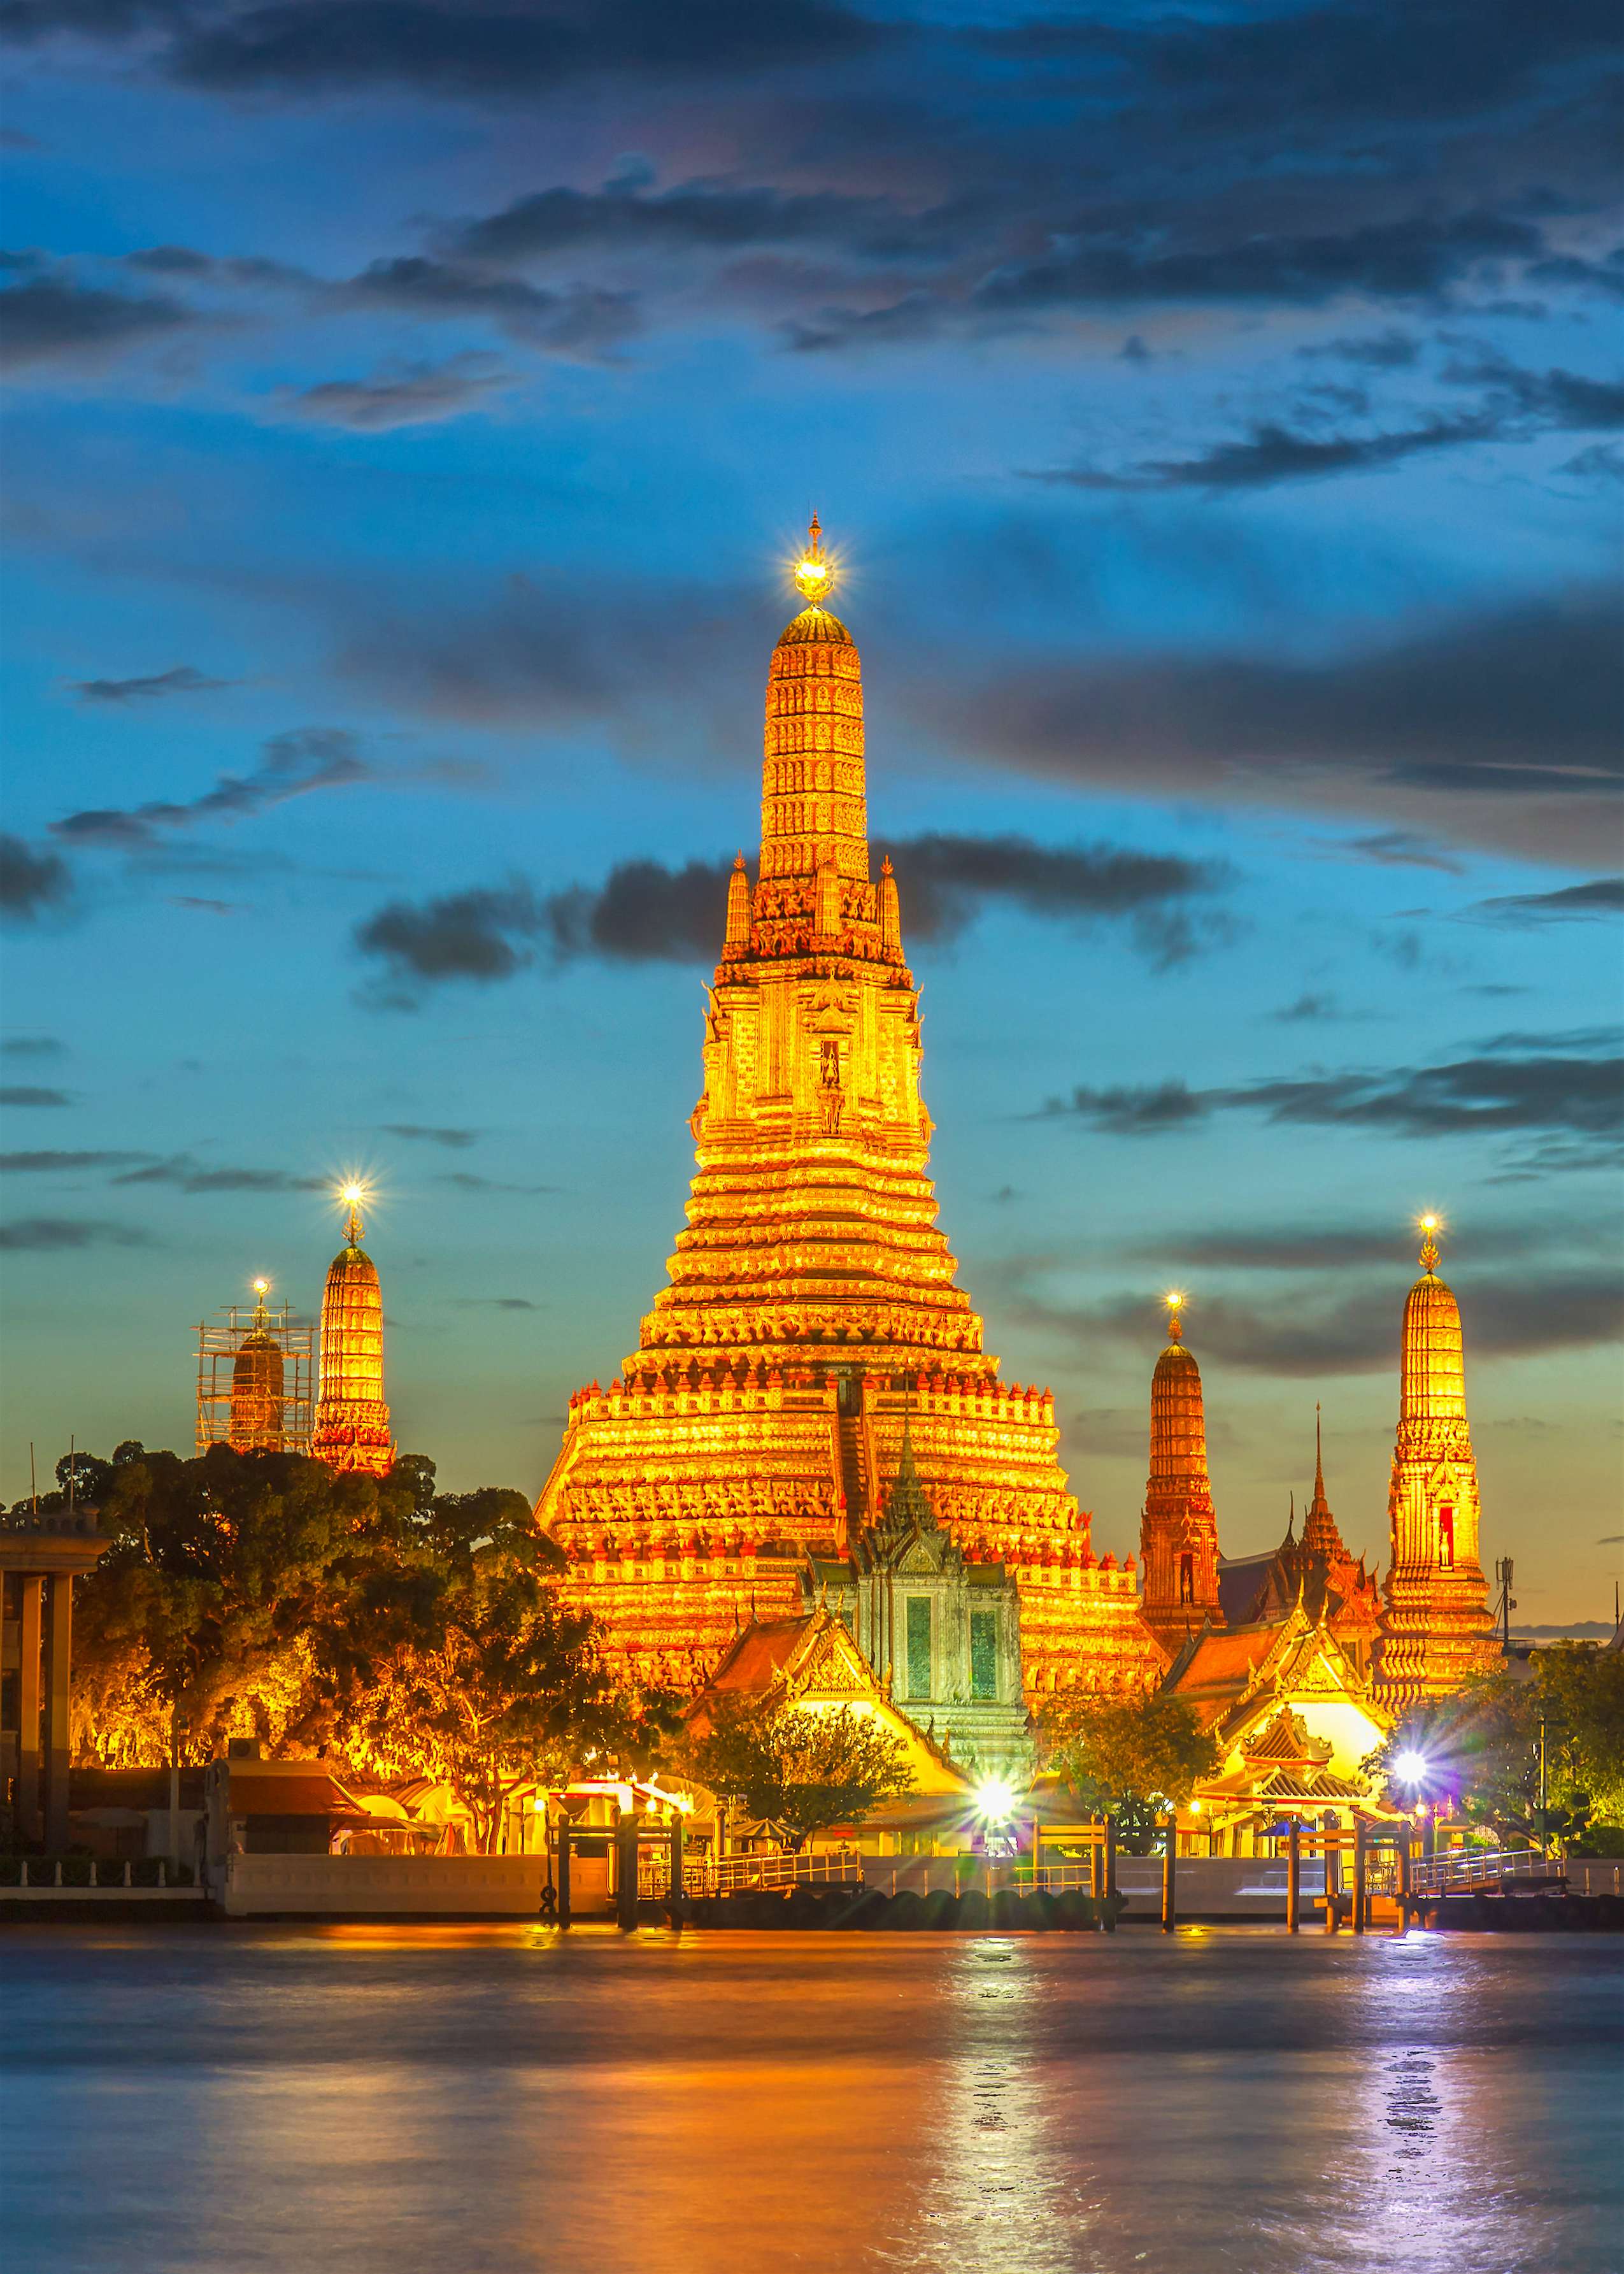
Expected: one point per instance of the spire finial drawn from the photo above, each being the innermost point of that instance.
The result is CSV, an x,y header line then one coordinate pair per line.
x,y
814,575
1174,1305
352,1196
1319,1460
1430,1226
261,1317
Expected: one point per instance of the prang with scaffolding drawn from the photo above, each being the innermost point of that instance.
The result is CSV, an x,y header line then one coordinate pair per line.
x,y
256,1379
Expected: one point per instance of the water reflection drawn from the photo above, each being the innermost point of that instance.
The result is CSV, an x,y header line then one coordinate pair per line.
x,y
437,2101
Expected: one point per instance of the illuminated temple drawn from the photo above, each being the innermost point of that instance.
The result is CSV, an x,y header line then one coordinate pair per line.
x,y
756,1431
352,1421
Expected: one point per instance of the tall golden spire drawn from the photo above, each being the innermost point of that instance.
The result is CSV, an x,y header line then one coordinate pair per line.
x,y
352,1421
763,1411
1435,1628
814,800
1178,1529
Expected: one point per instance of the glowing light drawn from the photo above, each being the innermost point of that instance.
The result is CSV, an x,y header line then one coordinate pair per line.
x,y
813,573
1411,1767
994,1799
1428,1222
1195,1808
259,1286
352,1195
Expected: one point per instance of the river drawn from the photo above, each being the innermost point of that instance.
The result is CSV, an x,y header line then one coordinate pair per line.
x,y
417,2100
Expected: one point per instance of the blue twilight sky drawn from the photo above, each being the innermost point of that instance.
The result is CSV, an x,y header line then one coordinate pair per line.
x,y
1218,412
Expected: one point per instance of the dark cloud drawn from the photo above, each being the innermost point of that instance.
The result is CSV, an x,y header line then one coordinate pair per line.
x,y
1489,1095
28,1094
1602,462
523,47
291,766
1308,1009
1388,351
495,1303
46,1233
455,1138
184,680
1402,848
645,912
1355,1328
425,395
192,1175
466,1182
1511,719
30,882
579,321
16,1165
33,1046
53,319
712,215
1604,896
943,882
1313,1247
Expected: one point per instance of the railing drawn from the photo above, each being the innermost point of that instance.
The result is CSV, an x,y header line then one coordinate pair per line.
x,y
1462,1869
1591,1878
732,1874
1058,1878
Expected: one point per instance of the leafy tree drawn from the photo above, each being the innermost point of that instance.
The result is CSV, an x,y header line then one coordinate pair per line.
x,y
1479,1748
796,1768
473,1674
1131,1758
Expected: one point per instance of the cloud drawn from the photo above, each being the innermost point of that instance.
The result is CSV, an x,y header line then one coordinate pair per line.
x,y
466,1182
1402,848
1604,896
16,1165
1509,718
423,395
293,764
709,215
1272,453
53,319
184,680
33,1046
47,1234
578,321
944,881
1308,1009
1351,1329
1308,1248
1388,351
1483,1095
495,1303
30,882
455,1138
645,912
28,1094
463,47
189,1174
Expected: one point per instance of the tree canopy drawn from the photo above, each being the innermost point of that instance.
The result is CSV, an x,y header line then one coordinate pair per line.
x,y
398,1629
1480,1750
798,1768
1131,1758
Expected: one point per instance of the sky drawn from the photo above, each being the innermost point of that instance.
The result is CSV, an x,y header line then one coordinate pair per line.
x,y
1218,414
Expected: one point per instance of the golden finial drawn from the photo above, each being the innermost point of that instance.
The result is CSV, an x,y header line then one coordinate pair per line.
x,y
352,1196
262,1317
1175,1303
1430,1226
815,576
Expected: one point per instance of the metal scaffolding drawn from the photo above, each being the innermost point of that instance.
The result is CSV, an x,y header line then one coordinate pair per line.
x,y
256,1379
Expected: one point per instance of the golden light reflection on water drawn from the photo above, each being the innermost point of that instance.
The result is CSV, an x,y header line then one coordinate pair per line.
x,y
443,2100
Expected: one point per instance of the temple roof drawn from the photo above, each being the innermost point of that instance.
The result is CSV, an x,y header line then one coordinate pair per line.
x,y
814,627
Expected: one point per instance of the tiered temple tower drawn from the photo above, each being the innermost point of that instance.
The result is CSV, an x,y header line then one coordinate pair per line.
x,y
1178,1530
812,1295
1435,1632
352,1421
258,1384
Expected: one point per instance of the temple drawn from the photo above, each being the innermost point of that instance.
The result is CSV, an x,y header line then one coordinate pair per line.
x,y
352,1421
1317,1570
258,1384
1435,1629
1178,1529
813,1301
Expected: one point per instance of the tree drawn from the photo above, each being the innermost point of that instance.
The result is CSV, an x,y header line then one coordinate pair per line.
x,y
475,1675
800,1768
1480,1750
1131,1758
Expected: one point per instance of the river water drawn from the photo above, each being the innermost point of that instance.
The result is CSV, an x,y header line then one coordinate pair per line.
x,y
420,2100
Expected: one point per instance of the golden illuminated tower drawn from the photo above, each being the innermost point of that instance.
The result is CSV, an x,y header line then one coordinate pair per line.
x,y
257,1384
812,1293
352,1421
1178,1531
1435,1631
